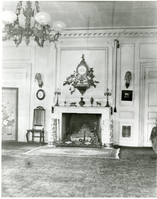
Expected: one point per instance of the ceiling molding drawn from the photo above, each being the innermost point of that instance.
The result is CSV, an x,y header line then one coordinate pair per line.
x,y
111,33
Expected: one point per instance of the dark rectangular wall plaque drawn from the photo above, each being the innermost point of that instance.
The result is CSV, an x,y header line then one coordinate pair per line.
x,y
126,95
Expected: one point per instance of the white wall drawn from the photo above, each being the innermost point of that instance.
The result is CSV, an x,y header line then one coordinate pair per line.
x,y
56,62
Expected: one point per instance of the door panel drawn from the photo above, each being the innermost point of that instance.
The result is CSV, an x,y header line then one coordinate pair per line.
x,y
17,75
150,102
152,95
9,113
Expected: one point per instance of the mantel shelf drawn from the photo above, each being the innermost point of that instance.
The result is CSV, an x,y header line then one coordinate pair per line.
x,y
84,109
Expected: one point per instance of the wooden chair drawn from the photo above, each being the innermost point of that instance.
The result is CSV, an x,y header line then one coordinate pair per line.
x,y
38,125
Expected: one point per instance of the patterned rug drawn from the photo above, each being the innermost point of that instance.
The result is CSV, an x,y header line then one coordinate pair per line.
x,y
75,152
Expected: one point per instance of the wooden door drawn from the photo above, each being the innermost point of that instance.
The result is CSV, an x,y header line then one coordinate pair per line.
x,y
9,113
150,102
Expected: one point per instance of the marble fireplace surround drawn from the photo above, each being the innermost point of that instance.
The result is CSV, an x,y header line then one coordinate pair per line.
x,y
106,126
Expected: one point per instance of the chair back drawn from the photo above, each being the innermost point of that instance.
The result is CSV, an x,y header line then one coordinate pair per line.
x,y
39,117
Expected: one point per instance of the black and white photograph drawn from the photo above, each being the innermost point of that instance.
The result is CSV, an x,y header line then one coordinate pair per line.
x,y
79,99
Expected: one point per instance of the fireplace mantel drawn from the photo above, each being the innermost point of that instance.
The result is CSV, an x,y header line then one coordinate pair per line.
x,y
105,125
84,109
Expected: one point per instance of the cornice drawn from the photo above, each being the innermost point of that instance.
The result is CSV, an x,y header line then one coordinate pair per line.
x,y
102,33
110,33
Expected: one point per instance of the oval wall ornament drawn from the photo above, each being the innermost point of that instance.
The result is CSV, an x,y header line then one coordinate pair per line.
x,y
40,94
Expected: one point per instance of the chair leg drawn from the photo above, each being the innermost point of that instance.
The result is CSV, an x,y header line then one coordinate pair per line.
x,y
27,136
40,136
32,136
43,137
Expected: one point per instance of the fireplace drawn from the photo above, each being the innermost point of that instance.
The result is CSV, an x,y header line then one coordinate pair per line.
x,y
81,129
81,126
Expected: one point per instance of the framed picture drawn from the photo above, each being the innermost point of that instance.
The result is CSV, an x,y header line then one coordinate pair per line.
x,y
40,94
126,95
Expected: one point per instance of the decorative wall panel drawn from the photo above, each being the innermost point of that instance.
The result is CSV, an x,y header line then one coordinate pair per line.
x,y
127,59
13,53
126,115
127,64
152,115
152,95
126,131
95,58
152,75
148,51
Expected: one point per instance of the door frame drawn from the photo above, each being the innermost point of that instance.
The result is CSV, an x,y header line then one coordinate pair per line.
x,y
143,65
16,125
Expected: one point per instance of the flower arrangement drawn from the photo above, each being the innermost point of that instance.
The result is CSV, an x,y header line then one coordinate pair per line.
x,y
75,81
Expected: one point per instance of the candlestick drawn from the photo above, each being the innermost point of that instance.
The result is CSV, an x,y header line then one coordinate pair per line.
x,y
57,92
107,94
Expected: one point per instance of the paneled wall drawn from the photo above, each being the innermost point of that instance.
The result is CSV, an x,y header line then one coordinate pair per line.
x,y
55,62
20,64
96,58
130,122
17,75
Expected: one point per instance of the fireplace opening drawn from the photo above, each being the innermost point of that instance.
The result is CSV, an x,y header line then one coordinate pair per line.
x,y
81,129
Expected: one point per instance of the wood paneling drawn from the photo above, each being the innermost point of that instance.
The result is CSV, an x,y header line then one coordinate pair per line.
x,y
95,58
148,51
19,53
152,115
126,115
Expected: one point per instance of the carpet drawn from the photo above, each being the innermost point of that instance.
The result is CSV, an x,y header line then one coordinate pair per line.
x,y
110,153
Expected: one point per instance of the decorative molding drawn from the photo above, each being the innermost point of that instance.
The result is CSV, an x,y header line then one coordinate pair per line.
x,y
110,33
99,34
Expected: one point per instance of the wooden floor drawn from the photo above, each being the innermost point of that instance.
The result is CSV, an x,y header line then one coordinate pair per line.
x,y
133,175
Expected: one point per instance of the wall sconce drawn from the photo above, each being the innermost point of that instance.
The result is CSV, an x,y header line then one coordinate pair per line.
x,y
39,80
128,77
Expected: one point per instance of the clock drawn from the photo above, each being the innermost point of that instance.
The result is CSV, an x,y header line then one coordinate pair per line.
x,y
82,70
40,94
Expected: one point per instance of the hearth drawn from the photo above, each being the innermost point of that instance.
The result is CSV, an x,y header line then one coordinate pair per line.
x,y
81,130
81,126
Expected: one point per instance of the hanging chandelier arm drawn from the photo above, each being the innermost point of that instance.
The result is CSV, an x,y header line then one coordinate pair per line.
x,y
17,12
18,7
54,38
28,12
37,6
42,33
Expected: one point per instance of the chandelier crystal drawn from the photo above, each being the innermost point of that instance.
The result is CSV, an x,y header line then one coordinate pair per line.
x,y
41,30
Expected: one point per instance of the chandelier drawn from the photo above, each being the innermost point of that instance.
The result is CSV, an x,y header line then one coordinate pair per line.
x,y
41,30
